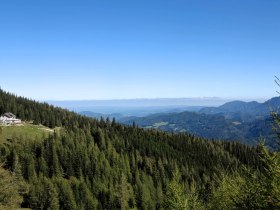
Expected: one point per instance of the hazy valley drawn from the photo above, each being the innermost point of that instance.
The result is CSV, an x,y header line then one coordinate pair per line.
x,y
246,122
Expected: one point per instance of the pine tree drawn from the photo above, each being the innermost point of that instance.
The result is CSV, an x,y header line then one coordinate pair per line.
x,y
175,197
125,192
66,196
228,193
262,190
12,188
53,201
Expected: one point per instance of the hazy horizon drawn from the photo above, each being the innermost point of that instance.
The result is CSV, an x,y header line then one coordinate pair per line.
x,y
91,105
169,98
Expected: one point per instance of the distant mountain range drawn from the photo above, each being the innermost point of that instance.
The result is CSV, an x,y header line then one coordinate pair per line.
x,y
246,122
212,126
245,111
236,120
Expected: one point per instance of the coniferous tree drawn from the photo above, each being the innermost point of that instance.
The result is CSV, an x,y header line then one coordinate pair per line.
x,y
124,193
175,197
13,188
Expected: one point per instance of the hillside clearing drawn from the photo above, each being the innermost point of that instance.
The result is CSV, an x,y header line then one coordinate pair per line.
x,y
24,130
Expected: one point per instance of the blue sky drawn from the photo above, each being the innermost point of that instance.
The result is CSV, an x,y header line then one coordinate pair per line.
x,y
113,49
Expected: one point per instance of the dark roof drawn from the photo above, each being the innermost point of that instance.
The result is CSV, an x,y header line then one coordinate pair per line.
x,y
9,115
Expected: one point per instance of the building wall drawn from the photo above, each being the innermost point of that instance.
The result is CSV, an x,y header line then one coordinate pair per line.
x,y
9,121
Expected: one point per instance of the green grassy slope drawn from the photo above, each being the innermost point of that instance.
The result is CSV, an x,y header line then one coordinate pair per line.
x,y
25,130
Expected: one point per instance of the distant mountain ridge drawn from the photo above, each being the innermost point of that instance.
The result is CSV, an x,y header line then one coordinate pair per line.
x,y
245,111
246,122
209,126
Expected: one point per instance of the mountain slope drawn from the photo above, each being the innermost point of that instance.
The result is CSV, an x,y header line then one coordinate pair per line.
x,y
33,131
211,126
105,165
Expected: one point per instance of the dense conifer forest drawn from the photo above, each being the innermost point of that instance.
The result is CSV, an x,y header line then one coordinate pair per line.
x,y
102,164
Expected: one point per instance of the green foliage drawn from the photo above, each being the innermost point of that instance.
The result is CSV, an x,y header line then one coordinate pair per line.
x,y
262,190
66,197
105,165
228,192
43,194
175,198
125,193
13,188
193,200
254,190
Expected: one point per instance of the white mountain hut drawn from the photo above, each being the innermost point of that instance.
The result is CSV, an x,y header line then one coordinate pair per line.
x,y
9,119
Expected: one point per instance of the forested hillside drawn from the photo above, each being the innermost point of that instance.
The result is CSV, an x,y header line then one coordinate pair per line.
x,y
210,126
101,164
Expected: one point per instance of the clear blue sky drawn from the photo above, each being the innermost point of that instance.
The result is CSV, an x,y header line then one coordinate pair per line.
x,y
111,49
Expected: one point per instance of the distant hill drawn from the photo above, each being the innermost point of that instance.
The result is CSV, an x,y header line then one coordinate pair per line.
x,y
236,120
235,106
213,126
245,111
